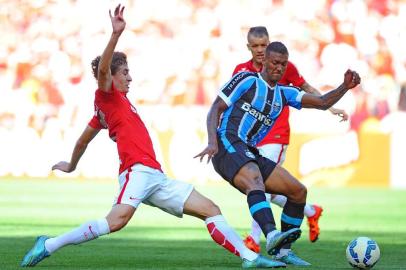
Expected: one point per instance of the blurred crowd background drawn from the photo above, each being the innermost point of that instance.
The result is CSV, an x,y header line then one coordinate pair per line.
x,y
180,52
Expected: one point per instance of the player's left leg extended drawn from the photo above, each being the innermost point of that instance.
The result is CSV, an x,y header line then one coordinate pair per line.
x,y
44,246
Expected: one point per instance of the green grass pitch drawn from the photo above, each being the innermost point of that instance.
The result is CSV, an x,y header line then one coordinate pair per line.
x,y
156,240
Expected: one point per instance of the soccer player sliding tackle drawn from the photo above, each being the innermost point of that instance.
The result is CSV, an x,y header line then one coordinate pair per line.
x,y
140,175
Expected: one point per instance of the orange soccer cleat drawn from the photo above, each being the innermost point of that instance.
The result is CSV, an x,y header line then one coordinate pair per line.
x,y
313,223
251,244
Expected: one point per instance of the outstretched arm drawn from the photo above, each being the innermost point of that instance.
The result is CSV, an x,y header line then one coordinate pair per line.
x,y
213,118
81,144
104,79
324,102
311,90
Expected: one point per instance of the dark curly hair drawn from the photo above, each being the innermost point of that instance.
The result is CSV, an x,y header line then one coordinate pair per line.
x,y
119,59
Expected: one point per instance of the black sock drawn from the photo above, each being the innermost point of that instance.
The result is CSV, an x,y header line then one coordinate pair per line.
x,y
261,211
292,217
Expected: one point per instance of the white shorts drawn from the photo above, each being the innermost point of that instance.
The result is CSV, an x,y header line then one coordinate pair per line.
x,y
274,151
150,186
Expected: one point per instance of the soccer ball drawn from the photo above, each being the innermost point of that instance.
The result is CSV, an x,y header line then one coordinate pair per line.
x,y
363,253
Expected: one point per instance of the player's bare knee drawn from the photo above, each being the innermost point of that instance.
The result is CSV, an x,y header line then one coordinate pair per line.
x,y
249,182
300,194
211,209
303,193
118,223
118,218
256,184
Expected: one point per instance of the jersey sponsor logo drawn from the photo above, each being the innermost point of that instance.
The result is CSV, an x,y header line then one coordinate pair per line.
x,y
237,78
264,119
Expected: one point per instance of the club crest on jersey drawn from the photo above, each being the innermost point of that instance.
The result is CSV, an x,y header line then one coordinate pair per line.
x,y
249,154
264,119
276,106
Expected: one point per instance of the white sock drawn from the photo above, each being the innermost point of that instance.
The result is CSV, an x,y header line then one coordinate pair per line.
x,y
279,200
283,252
86,232
271,234
268,197
225,236
256,232
309,210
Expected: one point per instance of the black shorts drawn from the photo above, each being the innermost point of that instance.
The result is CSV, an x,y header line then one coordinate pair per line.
x,y
227,163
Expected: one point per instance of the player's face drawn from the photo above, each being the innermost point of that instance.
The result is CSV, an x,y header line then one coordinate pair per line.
x,y
257,45
122,79
275,66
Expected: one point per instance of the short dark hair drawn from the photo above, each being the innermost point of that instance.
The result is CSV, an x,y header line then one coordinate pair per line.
x,y
258,31
276,46
119,59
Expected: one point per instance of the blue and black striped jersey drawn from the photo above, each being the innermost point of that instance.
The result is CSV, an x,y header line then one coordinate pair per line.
x,y
253,106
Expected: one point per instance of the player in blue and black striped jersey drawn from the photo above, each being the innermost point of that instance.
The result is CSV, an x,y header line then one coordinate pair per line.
x,y
248,106
252,108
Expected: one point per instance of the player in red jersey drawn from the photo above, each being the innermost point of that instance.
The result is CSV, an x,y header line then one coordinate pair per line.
x,y
141,178
275,144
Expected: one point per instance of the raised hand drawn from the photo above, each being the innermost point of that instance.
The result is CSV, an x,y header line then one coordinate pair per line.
x,y
63,166
117,21
210,151
351,79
